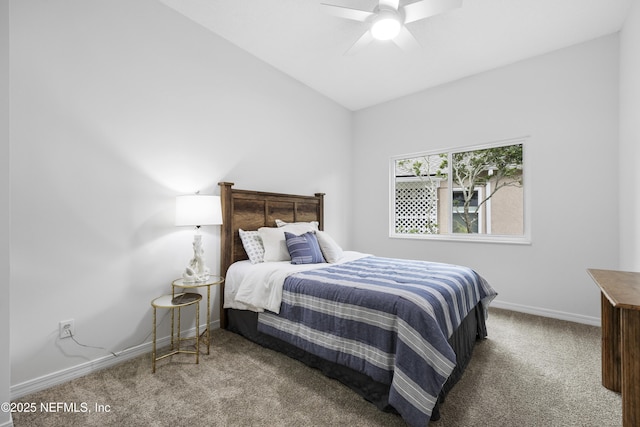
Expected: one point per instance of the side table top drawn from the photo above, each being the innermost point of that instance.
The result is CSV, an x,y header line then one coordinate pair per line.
x,y
212,280
622,288
165,301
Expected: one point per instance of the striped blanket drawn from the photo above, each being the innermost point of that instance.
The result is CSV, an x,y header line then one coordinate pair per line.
x,y
387,318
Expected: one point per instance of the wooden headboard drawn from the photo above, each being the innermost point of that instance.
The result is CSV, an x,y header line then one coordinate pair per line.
x,y
250,210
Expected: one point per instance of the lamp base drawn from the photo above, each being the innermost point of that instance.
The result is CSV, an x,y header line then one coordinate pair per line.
x,y
187,278
196,271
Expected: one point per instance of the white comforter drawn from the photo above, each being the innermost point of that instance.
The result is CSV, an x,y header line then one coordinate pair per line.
x,y
258,287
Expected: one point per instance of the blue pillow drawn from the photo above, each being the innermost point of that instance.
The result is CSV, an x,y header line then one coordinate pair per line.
x,y
304,249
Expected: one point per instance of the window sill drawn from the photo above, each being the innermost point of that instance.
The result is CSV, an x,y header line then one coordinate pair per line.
x,y
512,240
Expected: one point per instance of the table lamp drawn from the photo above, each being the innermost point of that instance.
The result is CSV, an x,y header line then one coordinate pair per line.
x,y
197,210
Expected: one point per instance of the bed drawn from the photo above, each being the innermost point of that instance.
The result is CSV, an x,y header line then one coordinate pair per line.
x,y
398,332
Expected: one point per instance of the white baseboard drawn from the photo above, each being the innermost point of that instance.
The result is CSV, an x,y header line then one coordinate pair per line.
x,y
68,374
544,312
8,423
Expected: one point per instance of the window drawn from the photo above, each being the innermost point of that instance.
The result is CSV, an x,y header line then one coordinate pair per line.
x,y
476,193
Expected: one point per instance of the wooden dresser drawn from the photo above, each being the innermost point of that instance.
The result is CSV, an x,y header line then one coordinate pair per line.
x,y
620,301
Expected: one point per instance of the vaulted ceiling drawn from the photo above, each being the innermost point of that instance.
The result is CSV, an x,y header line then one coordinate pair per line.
x,y
299,38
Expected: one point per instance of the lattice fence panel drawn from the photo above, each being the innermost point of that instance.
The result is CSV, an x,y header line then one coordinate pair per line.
x,y
416,208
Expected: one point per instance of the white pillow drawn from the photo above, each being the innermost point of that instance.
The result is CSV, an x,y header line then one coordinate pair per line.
x,y
313,224
253,246
274,242
330,249
275,245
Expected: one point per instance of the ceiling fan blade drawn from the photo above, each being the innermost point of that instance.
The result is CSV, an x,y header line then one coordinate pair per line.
x,y
360,43
405,40
426,8
393,4
347,13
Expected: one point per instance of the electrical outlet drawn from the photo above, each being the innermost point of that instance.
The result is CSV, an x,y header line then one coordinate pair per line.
x,y
66,328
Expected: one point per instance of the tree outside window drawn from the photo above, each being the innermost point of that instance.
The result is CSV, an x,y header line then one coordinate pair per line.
x,y
475,192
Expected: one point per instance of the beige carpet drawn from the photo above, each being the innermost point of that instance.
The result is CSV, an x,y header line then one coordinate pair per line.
x,y
531,371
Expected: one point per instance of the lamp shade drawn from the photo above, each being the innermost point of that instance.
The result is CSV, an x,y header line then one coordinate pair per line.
x,y
198,210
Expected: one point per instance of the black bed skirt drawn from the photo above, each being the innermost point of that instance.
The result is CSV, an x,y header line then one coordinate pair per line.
x,y
462,341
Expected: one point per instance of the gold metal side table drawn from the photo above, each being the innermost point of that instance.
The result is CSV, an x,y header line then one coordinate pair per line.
x,y
168,301
211,281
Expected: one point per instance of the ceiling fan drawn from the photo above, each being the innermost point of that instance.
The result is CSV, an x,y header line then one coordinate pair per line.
x,y
388,20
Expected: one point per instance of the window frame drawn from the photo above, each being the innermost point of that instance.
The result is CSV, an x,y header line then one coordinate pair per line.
x,y
524,238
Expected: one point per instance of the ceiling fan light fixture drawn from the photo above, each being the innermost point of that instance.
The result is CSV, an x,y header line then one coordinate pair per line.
x,y
386,26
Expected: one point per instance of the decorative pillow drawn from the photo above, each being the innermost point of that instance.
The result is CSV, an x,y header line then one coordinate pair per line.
x,y
253,246
330,249
274,243
313,224
275,246
304,249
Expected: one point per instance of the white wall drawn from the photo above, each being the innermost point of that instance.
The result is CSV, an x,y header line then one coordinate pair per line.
x,y
630,141
117,107
567,101
5,364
